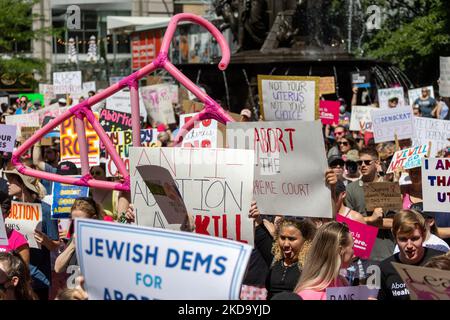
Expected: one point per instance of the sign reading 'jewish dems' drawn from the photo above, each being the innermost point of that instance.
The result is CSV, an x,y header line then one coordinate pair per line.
x,y
124,262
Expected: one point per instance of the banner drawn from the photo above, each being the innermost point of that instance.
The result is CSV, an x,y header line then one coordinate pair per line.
x,y
64,195
120,101
289,166
390,122
413,94
436,184
384,195
125,262
70,150
215,184
327,85
7,137
115,120
329,112
158,102
409,158
361,79
351,293
289,98
434,130
361,119
3,234
203,135
444,80
25,218
384,95
66,82
424,283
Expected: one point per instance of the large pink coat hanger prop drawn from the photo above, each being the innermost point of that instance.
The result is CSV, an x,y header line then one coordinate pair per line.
x,y
83,110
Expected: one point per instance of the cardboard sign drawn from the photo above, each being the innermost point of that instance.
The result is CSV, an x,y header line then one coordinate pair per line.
x,y
361,79
125,262
327,85
215,184
7,137
444,80
25,218
115,120
408,158
390,122
384,195
364,236
436,184
192,106
424,283
203,135
384,95
27,132
351,293
361,118
66,82
3,234
64,195
158,102
414,94
70,150
431,130
120,101
329,112
289,167
285,98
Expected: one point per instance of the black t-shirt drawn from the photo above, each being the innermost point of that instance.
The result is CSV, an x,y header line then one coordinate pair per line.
x,y
392,285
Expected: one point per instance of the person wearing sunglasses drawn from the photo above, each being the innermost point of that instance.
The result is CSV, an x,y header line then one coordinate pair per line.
x,y
15,280
425,103
23,105
339,132
346,144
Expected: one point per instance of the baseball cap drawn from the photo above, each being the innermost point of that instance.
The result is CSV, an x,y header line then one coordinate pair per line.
x,y
67,168
334,159
247,113
62,100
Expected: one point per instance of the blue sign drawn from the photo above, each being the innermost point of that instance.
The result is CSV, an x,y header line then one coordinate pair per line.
x,y
64,195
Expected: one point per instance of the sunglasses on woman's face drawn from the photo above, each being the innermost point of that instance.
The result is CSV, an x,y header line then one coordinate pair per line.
x,y
344,143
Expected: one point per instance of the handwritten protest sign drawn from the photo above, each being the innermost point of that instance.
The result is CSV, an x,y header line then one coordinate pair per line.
x,y
408,158
282,148
387,123
89,86
434,130
120,101
361,79
203,135
436,184
64,195
158,102
3,234
115,120
215,184
7,137
384,195
289,98
125,262
414,94
25,218
384,95
67,82
424,283
361,119
22,120
327,85
329,111
351,293
70,149
364,236
47,91
444,80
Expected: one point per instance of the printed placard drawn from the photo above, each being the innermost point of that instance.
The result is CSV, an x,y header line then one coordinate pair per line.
x,y
25,218
125,262
282,148
390,122
327,85
120,101
67,82
215,184
409,158
289,98
158,102
361,79
329,112
384,95
436,184
202,135
424,283
351,293
444,79
364,236
7,137
414,94
115,120
3,234
431,130
64,195
384,195
361,119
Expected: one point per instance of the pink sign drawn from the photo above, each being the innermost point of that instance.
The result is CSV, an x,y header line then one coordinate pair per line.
x,y
329,111
363,236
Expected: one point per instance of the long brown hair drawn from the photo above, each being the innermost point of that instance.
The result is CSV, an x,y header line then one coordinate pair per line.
x,y
16,267
88,205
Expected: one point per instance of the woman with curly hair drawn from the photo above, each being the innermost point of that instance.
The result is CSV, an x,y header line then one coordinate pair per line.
x,y
284,249
15,279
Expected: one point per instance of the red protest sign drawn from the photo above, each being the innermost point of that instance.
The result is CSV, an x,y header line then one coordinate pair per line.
x,y
329,111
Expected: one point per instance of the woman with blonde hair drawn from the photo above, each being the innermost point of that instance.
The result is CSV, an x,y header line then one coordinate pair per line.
x,y
331,251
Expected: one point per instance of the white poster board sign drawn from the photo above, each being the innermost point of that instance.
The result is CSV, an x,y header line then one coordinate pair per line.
x,y
390,122
434,130
158,102
23,120
25,218
120,101
444,80
384,95
215,184
290,165
67,82
409,158
436,184
125,262
361,119
413,94
202,135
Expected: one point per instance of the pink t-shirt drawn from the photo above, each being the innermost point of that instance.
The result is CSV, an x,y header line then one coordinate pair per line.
x,y
309,294
15,241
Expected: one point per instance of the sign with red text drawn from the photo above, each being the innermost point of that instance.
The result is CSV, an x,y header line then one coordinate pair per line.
x,y
215,184
408,158
25,218
361,119
436,184
432,130
424,283
158,102
289,167
364,236
329,111
69,147
202,135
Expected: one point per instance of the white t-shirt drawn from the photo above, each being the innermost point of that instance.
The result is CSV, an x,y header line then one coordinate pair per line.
x,y
433,242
